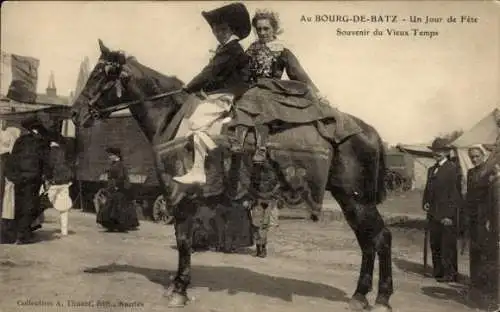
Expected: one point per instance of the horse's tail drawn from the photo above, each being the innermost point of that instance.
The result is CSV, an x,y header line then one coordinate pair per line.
x,y
371,153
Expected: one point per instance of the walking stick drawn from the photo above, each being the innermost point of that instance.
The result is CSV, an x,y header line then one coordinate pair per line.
x,y
426,243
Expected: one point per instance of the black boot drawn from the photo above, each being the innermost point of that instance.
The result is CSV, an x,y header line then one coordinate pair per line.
x,y
261,133
258,251
240,134
263,251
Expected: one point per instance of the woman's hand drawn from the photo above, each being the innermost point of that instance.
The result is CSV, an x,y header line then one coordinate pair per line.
x,y
322,98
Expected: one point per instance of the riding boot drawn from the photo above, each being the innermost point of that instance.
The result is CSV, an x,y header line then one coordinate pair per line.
x,y
197,173
261,134
240,134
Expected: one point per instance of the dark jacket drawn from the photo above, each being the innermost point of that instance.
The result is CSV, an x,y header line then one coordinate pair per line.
x,y
118,179
226,71
442,192
29,159
477,192
61,165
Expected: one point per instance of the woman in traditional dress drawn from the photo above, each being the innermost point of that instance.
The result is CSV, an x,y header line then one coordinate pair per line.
x,y
117,213
272,100
476,199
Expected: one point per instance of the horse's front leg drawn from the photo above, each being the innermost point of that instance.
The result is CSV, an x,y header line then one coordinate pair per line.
x,y
177,291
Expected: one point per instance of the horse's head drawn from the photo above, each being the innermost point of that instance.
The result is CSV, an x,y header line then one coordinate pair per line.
x,y
105,88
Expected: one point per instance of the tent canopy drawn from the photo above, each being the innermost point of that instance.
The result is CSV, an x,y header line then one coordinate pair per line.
x,y
484,132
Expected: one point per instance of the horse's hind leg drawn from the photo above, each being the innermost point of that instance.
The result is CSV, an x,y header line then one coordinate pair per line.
x,y
356,185
374,238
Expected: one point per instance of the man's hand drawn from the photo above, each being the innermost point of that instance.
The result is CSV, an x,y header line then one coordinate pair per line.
x,y
426,207
447,222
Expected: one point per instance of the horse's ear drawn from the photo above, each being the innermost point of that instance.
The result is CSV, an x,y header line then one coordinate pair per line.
x,y
104,49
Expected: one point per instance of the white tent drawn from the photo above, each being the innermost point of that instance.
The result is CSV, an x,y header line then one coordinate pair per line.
x,y
484,133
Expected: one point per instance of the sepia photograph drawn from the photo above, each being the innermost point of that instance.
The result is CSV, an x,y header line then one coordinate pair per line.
x,y
233,156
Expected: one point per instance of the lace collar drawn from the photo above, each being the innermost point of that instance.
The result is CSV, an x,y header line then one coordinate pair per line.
x,y
273,46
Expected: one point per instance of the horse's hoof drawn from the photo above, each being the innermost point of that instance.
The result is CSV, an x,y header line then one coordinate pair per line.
x,y
177,301
169,292
358,303
381,308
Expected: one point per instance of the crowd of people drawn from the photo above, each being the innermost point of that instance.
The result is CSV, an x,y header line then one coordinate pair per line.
x,y
38,173
38,169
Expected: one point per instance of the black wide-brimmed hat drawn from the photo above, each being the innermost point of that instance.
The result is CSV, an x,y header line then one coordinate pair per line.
x,y
114,151
34,122
235,15
439,144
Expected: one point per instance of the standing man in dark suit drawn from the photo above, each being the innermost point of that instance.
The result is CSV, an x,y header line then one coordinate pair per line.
x,y
27,167
441,200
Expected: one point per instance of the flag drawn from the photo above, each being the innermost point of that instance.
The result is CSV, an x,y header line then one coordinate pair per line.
x,y
24,70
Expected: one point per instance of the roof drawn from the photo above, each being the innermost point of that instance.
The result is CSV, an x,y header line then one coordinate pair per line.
x,y
59,100
484,132
25,110
421,150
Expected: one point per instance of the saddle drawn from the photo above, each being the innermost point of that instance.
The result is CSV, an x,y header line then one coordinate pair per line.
x,y
297,167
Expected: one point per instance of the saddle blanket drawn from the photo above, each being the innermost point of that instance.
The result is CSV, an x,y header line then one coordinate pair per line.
x,y
299,160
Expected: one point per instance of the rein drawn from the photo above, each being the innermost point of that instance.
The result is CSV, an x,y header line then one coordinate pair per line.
x,y
124,105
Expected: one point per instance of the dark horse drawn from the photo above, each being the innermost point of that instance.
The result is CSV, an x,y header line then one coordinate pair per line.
x,y
355,177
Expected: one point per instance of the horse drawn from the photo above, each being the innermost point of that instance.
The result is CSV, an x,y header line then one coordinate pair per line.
x,y
355,176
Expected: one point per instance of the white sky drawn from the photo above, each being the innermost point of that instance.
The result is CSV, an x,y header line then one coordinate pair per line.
x,y
410,89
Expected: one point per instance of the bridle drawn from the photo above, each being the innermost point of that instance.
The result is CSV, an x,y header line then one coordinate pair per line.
x,y
119,83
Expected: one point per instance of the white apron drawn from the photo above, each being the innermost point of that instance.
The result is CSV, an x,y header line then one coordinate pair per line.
x,y
7,139
8,201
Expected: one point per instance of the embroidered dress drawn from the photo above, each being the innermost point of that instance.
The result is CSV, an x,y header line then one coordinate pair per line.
x,y
272,99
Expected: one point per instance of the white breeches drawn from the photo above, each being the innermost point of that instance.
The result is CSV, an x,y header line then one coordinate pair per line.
x,y
207,119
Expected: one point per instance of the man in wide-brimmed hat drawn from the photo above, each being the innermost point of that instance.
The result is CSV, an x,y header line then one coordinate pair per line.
x,y
222,79
27,167
441,201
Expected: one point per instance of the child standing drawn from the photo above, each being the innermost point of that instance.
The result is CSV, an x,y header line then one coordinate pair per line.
x,y
59,182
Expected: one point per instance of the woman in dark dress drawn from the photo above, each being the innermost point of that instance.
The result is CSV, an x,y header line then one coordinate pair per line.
x,y
272,100
117,213
476,199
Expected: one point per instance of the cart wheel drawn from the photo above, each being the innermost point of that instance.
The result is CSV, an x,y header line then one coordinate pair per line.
x,y
161,213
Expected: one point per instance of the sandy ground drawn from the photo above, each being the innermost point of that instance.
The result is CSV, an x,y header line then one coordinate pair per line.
x,y
311,267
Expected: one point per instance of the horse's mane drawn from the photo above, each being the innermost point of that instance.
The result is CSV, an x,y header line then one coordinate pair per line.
x,y
152,80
